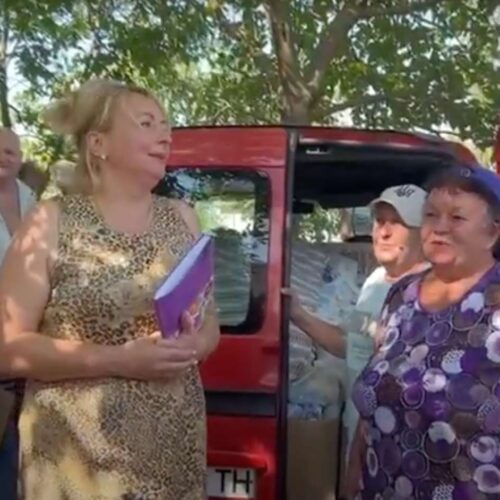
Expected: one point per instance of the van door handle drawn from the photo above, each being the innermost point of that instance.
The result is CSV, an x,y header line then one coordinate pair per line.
x,y
237,459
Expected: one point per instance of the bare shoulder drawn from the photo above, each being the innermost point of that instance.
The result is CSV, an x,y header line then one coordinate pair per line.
x,y
188,214
25,272
39,229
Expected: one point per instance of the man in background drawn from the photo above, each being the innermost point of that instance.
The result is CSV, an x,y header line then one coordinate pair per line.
x,y
16,198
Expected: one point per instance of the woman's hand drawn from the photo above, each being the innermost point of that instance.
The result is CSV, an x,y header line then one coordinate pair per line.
x,y
189,337
154,358
353,477
296,309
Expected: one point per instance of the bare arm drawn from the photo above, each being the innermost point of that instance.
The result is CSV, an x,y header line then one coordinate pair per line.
x,y
328,336
355,461
210,331
24,292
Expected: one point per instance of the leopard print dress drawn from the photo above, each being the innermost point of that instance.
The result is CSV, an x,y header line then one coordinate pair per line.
x,y
107,439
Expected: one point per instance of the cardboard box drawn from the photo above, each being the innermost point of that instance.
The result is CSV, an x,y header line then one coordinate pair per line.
x,y
314,450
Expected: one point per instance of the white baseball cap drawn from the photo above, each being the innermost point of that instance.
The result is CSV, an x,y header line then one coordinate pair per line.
x,y
408,201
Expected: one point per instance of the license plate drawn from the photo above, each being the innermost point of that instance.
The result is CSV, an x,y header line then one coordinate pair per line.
x,y
227,482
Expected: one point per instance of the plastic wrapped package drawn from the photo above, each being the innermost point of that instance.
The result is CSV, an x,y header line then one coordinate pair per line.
x,y
328,279
327,282
305,411
339,289
361,252
319,393
307,266
337,299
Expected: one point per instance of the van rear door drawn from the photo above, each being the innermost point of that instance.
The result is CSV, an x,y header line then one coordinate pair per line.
x,y
235,179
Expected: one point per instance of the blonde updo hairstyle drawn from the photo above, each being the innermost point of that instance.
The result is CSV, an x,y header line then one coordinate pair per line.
x,y
90,108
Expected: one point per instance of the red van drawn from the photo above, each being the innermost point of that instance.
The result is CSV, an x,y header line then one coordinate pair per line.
x,y
246,184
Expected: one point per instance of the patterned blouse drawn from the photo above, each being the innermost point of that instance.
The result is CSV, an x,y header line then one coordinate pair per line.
x,y
430,397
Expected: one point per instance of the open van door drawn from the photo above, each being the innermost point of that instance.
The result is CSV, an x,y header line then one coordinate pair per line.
x,y
235,179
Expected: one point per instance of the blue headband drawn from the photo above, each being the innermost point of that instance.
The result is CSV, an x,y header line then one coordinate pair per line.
x,y
486,178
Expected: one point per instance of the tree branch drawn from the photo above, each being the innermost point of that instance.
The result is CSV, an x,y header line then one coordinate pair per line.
x,y
12,51
266,66
355,102
334,41
332,45
96,44
16,110
239,32
4,87
438,131
404,7
4,35
215,118
231,29
294,88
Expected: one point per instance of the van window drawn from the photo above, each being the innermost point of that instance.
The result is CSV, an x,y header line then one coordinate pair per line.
x,y
233,206
323,225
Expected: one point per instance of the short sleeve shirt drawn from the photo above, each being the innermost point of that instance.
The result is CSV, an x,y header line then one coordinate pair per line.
x,y
430,397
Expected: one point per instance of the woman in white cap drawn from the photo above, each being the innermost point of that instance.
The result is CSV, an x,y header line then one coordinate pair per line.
x,y
397,216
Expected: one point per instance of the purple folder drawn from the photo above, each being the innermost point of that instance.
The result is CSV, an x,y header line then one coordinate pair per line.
x,y
186,288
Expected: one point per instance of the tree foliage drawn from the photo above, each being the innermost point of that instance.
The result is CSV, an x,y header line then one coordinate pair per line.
x,y
402,64
428,64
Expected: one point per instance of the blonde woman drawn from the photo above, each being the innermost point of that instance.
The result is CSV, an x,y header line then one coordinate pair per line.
x,y
111,411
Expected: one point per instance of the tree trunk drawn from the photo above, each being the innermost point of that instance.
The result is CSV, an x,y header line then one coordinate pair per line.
x,y
296,96
303,87
4,99
296,111
4,95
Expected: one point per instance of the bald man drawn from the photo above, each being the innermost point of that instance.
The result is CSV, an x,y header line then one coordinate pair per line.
x,y
15,197
15,200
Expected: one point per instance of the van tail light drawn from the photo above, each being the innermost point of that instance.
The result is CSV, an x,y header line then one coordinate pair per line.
x,y
237,460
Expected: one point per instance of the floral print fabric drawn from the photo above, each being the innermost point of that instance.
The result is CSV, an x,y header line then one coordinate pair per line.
x,y
430,398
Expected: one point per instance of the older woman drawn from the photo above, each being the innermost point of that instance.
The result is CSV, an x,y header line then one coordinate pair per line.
x,y
111,411
429,398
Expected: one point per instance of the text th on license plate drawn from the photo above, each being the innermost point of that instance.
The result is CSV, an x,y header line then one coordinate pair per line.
x,y
227,482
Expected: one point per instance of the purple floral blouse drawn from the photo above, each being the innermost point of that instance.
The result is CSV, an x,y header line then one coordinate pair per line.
x,y
430,398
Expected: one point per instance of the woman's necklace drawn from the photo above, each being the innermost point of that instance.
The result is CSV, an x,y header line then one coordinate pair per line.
x,y
140,229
